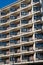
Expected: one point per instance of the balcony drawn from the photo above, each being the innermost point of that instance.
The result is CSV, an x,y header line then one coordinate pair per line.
x,y
27,48
12,33
13,41
27,58
4,44
14,24
27,39
4,52
37,26
39,56
24,12
25,3
4,19
4,27
39,45
24,21
15,16
5,61
4,12
14,50
37,17
26,30
38,36
13,8
36,8
3,35
15,59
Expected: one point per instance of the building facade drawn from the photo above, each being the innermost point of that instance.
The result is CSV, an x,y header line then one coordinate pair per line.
x,y
21,33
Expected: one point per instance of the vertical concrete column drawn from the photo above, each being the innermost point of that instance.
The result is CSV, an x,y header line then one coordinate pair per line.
x,y
20,32
33,31
41,2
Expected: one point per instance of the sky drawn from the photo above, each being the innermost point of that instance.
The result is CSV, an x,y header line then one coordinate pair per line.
x,y
4,3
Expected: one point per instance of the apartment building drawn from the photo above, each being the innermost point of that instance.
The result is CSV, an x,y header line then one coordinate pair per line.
x,y
21,33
